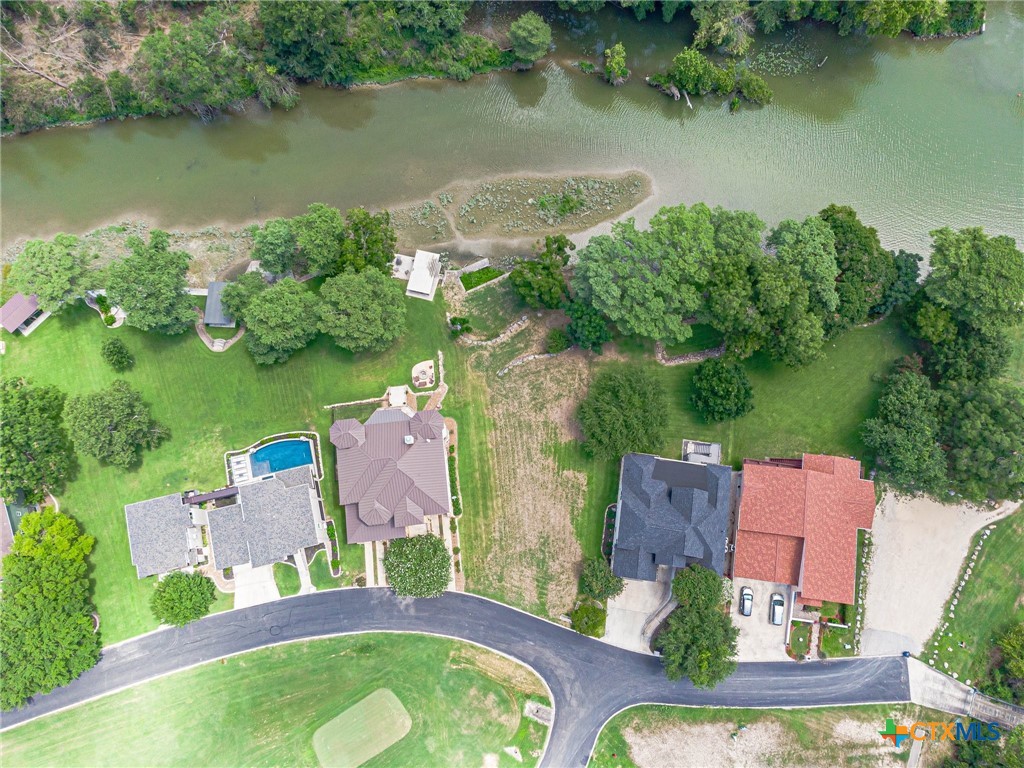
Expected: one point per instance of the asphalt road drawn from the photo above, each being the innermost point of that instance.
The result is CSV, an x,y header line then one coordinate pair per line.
x,y
590,681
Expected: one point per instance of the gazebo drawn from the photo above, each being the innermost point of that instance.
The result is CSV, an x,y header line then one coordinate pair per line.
x,y
21,313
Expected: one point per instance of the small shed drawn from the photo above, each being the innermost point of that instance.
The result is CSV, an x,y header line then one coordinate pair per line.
x,y
426,271
214,314
18,312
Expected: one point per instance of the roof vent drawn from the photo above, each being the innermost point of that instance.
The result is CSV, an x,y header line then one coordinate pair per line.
x,y
409,439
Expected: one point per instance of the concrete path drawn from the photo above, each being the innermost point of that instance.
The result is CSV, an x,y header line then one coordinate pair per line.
x,y
629,611
305,582
254,586
589,680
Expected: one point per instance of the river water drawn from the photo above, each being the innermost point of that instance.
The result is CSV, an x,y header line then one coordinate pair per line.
x,y
913,134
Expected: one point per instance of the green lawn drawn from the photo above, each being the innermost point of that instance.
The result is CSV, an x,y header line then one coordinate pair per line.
x,y
287,578
262,708
800,637
212,402
1015,372
989,604
471,280
808,732
320,572
491,309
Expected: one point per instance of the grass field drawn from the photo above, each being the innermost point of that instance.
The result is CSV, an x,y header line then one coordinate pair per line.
x,y
320,572
264,707
212,402
471,280
651,735
491,309
800,637
286,577
991,601
362,731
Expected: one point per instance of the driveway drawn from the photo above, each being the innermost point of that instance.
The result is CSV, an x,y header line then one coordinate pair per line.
x,y
629,612
589,680
759,639
254,586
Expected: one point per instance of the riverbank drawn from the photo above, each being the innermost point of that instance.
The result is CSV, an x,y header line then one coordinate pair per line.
x,y
499,216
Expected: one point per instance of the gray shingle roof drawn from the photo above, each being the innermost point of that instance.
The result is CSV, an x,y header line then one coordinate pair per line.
x,y
158,535
214,314
670,513
394,475
275,516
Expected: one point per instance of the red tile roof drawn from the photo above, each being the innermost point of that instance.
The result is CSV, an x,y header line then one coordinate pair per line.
x,y
799,526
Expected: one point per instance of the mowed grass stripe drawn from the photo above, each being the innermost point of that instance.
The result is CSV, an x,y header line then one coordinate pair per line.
x,y
362,731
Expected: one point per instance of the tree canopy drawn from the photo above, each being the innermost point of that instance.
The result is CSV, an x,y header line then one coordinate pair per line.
x,y
587,327
369,241
530,36
113,425
51,269
116,354
280,320
47,636
623,412
721,390
238,294
35,453
598,581
150,286
615,71
275,247
419,566
362,311
320,233
181,598
539,282
699,639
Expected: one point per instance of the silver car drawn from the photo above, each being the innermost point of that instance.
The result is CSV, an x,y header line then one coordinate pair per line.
x,y
776,609
746,601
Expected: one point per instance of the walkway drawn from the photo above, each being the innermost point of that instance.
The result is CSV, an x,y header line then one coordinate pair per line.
x,y
589,680
254,586
215,345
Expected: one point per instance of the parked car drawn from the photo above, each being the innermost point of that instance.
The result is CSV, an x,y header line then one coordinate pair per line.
x,y
777,609
746,601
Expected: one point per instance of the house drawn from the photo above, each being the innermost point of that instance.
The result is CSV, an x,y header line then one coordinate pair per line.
x,y
392,473
22,313
797,524
268,519
423,279
214,313
670,513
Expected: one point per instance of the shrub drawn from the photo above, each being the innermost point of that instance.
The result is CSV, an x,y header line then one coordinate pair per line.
x,y
623,412
109,320
471,280
182,598
721,390
103,303
455,550
615,71
753,87
558,341
335,564
531,37
116,354
588,619
418,567
598,581
586,67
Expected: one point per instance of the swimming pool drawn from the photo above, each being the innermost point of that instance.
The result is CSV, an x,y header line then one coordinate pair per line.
x,y
284,454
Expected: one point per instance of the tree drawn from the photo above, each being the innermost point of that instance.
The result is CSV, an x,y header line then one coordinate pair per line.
x,y
239,294
905,434
320,233
587,326
623,412
699,639
280,320
112,425
362,311
52,270
435,21
181,598
693,72
369,241
969,355
150,286
540,282
308,40
722,23
721,390
588,619
47,636
615,71
530,36
598,581
35,453
810,247
275,247
1012,646
903,288
978,279
116,354
419,566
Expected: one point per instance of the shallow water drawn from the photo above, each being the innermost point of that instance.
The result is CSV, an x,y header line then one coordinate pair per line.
x,y
914,134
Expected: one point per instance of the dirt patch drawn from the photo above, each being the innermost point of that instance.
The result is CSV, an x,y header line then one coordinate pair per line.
x,y
532,555
481,711
498,668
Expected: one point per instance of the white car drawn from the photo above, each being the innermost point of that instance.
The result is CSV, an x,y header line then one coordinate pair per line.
x,y
776,609
746,601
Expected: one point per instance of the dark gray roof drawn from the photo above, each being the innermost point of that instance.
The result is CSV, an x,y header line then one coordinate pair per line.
x,y
275,516
672,513
214,314
392,474
158,535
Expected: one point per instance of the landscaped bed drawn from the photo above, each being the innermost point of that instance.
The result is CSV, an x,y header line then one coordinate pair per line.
x,y
471,280
264,707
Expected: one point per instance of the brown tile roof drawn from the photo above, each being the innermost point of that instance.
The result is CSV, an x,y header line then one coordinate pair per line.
x,y
17,310
392,471
799,526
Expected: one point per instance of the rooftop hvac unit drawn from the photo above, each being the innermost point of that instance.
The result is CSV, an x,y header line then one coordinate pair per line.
x,y
409,439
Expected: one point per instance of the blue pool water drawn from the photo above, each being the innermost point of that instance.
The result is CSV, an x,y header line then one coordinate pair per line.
x,y
284,454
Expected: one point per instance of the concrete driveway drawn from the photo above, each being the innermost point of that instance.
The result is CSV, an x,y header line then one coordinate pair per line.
x,y
254,586
628,612
759,639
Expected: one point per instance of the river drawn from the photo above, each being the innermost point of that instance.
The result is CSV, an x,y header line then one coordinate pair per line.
x,y
913,134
